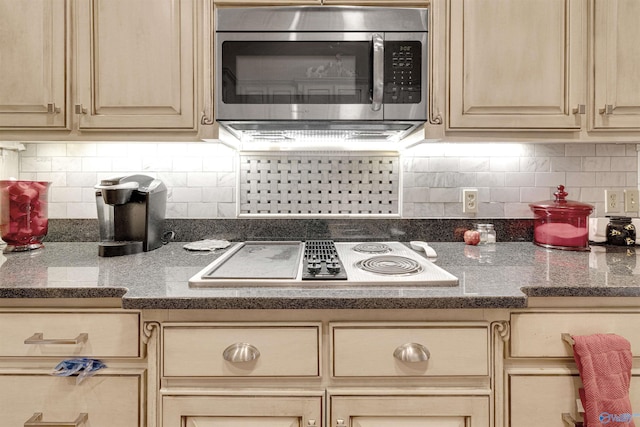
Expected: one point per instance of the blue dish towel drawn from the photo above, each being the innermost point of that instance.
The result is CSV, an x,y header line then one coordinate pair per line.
x,y
82,367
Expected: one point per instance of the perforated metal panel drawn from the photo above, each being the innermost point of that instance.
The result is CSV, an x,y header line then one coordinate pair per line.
x,y
319,184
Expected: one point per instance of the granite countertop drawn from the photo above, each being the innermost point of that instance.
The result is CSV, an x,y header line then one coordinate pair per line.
x,y
498,276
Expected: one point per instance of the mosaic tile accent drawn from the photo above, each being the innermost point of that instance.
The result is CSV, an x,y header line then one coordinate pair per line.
x,y
322,184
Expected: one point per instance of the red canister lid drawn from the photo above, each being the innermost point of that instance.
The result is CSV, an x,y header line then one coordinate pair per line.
x,y
561,205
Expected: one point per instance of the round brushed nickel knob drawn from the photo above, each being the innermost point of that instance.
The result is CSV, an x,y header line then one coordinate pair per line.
x,y
240,352
412,352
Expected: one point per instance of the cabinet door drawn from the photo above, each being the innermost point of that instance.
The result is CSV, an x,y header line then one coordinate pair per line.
x,y
108,400
135,64
616,65
32,64
516,64
540,400
242,411
409,411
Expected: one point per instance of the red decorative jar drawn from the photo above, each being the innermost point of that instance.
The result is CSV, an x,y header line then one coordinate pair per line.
x,y
561,223
24,220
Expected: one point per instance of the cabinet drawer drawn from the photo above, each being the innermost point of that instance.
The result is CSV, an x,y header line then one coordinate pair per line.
x,y
368,350
107,400
196,350
107,334
540,400
539,334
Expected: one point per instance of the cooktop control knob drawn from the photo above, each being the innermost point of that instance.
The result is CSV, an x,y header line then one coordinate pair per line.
x,y
314,267
333,267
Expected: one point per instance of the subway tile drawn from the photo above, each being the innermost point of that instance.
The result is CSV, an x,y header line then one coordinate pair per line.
x,y
475,164
444,195
517,210
490,179
82,210
611,179
566,164
444,164
65,194
534,194
580,179
142,149
611,150
81,179
548,150
113,149
428,210
177,210
82,149
596,164
126,164
519,179
580,150
504,164
227,210
157,164
416,194
187,164
66,164
57,210
203,210
550,179
201,179
535,164
96,164
51,149
57,179
218,194
504,194
35,164
185,194
624,163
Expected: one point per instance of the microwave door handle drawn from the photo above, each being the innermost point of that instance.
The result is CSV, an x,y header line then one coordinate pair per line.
x,y
378,72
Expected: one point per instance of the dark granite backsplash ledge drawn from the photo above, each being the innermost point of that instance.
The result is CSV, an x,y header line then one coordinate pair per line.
x,y
339,229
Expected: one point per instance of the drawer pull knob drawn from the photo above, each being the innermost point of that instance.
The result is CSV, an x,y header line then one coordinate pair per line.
x,y
412,352
37,338
240,352
34,421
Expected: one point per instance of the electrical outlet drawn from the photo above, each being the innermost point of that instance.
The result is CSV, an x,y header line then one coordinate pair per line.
x,y
631,200
470,200
612,201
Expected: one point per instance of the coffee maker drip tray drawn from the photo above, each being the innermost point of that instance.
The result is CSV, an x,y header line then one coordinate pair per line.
x,y
115,248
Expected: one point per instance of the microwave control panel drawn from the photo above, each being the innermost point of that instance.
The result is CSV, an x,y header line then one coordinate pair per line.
x,y
402,72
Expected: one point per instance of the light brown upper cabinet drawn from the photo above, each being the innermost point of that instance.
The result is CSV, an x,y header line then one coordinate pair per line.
x,y
565,65
616,100
135,64
32,64
517,64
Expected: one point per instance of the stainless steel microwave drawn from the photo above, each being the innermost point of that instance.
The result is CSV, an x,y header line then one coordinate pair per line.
x,y
357,71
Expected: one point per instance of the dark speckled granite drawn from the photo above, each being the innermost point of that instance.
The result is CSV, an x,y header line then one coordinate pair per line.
x,y
500,276
351,229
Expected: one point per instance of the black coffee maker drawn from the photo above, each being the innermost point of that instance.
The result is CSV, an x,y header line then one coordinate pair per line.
x,y
131,212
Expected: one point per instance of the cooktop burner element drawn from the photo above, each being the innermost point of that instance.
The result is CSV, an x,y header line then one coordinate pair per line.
x,y
372,248
390,265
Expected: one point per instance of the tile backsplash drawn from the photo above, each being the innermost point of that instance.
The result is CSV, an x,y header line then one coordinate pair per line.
x,y
210,180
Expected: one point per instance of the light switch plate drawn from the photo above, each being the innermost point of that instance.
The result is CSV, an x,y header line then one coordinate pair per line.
x,y
631,200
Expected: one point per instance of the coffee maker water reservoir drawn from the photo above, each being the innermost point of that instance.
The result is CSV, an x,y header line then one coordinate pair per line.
x,y
131,211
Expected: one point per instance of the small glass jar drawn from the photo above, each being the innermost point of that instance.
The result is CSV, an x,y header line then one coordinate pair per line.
x,y
482,229
491,234
620,231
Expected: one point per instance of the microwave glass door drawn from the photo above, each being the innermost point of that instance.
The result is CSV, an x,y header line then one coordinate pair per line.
x,y
296,72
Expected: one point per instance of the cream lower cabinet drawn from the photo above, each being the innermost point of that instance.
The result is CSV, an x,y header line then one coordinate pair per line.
x,y
408,411
289,373
541,379
34,341
33,60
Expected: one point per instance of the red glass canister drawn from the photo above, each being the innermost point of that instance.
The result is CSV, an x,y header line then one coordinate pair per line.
x,y
24,220
561,223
